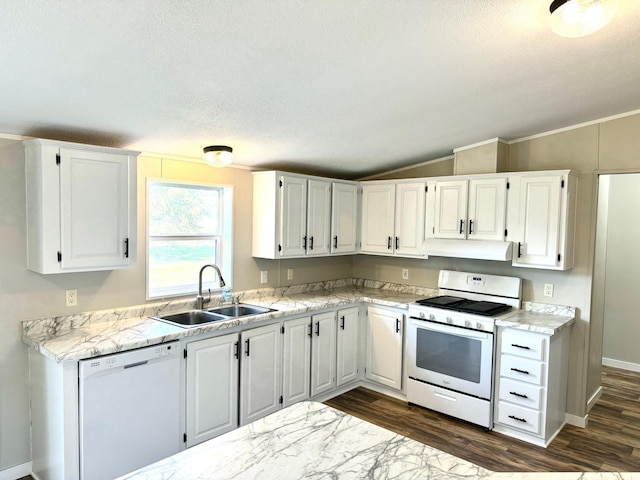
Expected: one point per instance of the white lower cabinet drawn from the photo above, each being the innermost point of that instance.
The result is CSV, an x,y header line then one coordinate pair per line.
x,y
323,353
212,388
348,339
384,346
296,365
260,372
531,384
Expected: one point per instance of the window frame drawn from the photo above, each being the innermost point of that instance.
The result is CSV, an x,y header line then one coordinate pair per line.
x,y
223,240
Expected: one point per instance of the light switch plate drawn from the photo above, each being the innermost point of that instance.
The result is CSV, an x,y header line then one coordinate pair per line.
x,y
289,273
405,274
264,276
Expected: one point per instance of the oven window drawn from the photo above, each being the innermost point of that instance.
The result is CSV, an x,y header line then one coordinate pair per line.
x,y
448,354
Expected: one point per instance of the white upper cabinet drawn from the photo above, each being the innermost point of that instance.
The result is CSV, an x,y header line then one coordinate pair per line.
x,y
295,216
472,209
344,216
393,218
546,203
81,207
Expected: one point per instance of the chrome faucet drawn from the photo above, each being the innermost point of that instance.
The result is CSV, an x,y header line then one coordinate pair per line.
x,y
200,301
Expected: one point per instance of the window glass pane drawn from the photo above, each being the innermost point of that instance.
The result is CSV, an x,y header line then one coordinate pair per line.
x,y
184,210
174,265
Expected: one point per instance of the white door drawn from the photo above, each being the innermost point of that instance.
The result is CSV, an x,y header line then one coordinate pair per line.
x,y
212,388
260,373
378,211
451,209
296,368
384,347
344,217
293,221
539,220
94,195
347,346
487,209
318,217
323,352
409,218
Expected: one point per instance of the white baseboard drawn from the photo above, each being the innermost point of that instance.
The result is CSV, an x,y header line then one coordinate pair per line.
x,y
594,398
16,472
577,421
611,362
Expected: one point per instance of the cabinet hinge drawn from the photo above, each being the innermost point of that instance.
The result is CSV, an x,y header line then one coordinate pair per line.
x,y
281,400
559,257
57,159
562,184
185,356
282,329
184,437
507,185
59,257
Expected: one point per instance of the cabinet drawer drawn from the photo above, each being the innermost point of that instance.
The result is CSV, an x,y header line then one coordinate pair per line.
x,y
520,417
522,344
520,393
522,369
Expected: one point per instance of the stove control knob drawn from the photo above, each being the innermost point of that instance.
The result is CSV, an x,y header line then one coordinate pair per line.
x,y
449,320
432,316
421,314
479,325
467,323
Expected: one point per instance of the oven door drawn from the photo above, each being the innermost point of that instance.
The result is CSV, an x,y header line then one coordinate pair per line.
x,y
450,357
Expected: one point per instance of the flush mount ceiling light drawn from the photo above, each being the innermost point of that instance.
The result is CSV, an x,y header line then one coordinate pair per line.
x,y
218,155
577,18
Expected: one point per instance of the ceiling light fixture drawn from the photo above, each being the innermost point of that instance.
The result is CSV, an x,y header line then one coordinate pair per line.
x,y
577,18
218,155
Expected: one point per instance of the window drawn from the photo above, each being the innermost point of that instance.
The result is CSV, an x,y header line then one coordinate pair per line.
x,y
188,226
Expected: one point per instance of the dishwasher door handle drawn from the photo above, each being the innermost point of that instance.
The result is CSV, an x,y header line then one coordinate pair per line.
x,y
136,364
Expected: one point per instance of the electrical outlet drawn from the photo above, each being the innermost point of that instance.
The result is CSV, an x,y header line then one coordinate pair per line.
x,y
264,276
72,298
548,289
289,273
405,274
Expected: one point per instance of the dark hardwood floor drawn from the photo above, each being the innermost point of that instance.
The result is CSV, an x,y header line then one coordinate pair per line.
x,y
611,441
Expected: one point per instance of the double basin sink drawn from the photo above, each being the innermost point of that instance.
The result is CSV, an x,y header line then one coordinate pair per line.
x,y
194,318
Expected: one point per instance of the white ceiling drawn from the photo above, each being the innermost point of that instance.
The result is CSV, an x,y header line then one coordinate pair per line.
x,y
342,87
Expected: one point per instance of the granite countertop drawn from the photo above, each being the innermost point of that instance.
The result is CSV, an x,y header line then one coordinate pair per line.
x,y
90,334
312,440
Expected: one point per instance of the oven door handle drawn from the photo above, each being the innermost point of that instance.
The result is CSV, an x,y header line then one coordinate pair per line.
x,y
458,331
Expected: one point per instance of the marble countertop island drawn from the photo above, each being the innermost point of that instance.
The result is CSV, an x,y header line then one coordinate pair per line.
x,y
313,441
86,335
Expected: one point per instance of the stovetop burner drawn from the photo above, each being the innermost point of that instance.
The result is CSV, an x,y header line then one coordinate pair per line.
x,y
457,304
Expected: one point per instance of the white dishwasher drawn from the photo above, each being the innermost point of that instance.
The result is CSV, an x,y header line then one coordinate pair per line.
x,y
129,410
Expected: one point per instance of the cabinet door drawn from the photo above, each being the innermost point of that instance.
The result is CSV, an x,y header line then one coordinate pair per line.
x,y
539,220
94,210
344,215
261,372
212,388
293,221
323,353
384,347
318,217
297,361
451,209
378,210
347,345
487,209
409,218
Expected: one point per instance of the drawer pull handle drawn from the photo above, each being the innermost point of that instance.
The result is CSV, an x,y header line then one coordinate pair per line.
x,y
520,371
521,395
524,347
518,419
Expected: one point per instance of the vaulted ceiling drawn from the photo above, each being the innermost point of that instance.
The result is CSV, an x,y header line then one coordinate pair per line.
x,y
342,87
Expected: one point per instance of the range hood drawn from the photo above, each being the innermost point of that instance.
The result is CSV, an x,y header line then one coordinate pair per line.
x,y
478,249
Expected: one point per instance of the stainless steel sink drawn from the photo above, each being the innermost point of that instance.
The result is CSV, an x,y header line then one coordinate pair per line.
x,y
194,318
241,310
